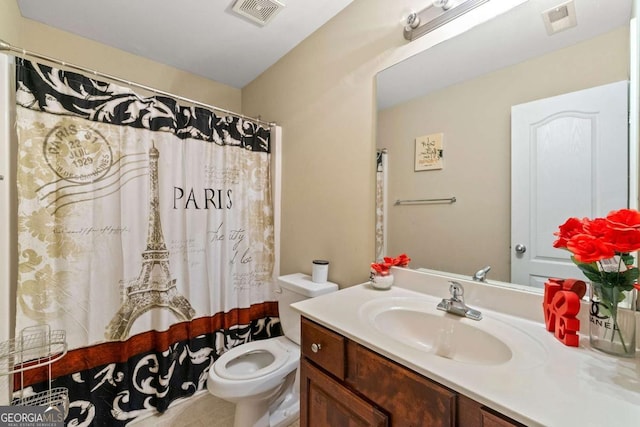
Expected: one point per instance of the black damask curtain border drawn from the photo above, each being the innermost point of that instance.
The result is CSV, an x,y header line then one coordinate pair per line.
x,y
101,396
44,88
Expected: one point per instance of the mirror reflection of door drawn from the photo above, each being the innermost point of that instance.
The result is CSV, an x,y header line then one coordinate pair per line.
x,y
569,159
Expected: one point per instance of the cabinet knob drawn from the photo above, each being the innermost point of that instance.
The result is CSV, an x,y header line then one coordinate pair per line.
x,y
315,347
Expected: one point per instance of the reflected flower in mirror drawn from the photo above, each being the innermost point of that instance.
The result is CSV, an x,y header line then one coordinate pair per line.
x,y
382,268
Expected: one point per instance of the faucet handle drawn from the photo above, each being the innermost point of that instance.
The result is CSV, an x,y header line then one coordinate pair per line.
x,y
456,290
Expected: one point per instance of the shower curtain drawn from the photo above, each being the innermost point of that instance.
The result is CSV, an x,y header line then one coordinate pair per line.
x,y
381,201
145,232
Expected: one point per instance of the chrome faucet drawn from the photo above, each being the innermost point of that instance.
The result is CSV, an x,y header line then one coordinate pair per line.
x,y
481,275
455,304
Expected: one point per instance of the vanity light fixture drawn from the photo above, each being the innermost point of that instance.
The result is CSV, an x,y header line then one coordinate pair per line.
x,y
413,22
444,4
560,18
438,13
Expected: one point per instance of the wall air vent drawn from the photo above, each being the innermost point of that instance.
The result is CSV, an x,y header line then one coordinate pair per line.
x,y
258,11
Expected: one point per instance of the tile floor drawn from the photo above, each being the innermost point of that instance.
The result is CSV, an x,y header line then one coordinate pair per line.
x,y
201,410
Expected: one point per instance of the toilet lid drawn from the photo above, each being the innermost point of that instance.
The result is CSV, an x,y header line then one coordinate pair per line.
x,y
251,360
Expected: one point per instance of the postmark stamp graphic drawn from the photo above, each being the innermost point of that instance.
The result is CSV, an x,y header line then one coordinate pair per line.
x,y
77,153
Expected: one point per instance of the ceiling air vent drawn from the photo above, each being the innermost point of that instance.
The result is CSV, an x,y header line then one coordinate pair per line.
x,y
258,11
560,18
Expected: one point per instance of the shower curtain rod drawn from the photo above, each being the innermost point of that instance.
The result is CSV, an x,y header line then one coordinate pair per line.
x,y
4,46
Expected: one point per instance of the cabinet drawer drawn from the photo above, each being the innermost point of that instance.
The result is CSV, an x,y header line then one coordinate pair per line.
x,y
492,419
474,414
323,347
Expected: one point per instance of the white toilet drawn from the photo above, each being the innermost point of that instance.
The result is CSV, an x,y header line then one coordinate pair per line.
x,y
262,377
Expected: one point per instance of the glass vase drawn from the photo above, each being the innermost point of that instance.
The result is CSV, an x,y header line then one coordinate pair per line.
x,y
612,321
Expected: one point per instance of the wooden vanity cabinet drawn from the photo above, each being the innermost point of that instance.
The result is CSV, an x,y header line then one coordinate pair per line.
x,y
345,384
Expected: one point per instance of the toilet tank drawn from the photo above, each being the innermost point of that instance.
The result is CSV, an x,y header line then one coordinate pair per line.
x,y
293,288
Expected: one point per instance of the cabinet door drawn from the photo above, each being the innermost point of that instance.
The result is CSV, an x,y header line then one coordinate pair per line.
x,y
324,402
409,398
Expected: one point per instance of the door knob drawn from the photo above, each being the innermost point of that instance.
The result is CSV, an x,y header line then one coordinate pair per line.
x,y
521,248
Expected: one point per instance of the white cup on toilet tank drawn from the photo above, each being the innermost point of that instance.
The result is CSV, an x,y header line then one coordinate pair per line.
x,y
320,271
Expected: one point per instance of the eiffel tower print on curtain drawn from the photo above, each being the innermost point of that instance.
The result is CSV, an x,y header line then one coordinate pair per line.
x,y
154,287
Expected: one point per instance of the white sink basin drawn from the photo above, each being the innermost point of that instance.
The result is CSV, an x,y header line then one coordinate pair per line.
x,y
416,323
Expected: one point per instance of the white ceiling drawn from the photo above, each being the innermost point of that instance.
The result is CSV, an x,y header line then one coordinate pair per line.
x,y
508,39
200,36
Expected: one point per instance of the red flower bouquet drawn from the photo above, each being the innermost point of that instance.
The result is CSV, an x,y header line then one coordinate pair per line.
x,y
601,248
382,268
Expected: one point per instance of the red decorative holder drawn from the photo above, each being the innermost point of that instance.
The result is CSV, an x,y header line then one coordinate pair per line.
x,y
561,305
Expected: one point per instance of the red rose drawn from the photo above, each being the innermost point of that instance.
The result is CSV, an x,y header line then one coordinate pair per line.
x,y
624,241
624,219
587,248
598,227
381,268
402,260
567,230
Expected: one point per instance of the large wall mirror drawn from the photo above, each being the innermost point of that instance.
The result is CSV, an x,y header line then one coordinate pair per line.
x,y
463,90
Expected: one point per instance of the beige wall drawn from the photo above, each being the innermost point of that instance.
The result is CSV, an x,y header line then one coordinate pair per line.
x,y
475,118
45,40
322,94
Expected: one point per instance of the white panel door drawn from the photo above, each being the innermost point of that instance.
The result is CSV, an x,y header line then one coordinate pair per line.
x,y
569,158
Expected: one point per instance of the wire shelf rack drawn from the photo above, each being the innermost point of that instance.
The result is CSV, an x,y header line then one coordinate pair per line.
x,y
35,347
52,398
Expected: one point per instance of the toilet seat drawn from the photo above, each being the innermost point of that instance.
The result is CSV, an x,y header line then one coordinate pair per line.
x,y
270,355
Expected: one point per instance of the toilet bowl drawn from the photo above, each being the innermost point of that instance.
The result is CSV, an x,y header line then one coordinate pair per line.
x,y
252,375
262,377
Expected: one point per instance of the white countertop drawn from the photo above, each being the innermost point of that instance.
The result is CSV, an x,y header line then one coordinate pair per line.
x,y
549,384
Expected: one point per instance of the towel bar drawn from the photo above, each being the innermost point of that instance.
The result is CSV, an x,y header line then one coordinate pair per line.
x,y
419,201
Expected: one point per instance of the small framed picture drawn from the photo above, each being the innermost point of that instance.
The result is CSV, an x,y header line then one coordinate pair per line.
x,y
429,150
